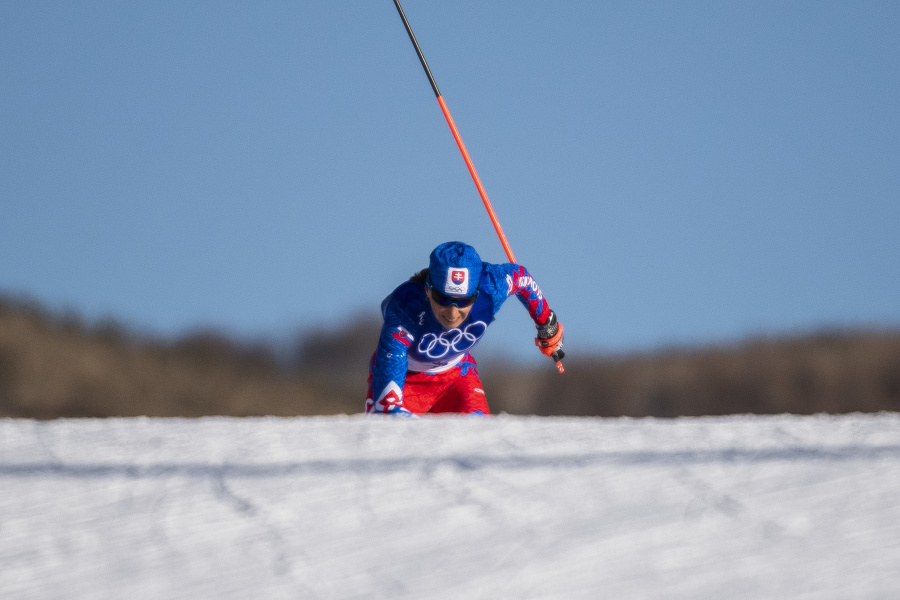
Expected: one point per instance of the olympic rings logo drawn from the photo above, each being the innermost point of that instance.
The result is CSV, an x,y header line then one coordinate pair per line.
x,y
456,340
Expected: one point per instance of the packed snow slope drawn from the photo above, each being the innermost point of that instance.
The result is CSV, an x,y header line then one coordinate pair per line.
x,y
503,507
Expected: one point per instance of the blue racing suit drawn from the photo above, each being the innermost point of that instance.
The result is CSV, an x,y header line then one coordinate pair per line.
x,y
412,338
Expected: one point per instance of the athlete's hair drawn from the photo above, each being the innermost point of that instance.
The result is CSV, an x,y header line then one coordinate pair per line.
x,y
421,276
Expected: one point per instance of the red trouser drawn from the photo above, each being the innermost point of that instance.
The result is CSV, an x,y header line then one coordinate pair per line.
x,y
456,390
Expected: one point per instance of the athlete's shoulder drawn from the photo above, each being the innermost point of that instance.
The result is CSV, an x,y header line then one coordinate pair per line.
x,y
406,290
406,299
500,277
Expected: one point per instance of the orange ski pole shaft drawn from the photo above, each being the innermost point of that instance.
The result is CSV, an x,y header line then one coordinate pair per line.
x,y
477,180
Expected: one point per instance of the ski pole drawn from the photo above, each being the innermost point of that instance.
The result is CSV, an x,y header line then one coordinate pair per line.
x,y
456,136
462,146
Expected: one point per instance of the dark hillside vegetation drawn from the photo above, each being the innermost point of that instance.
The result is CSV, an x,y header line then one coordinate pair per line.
x,y
56,365
825,372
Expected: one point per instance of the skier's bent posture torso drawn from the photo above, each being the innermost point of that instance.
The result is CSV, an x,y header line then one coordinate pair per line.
x,y
431,323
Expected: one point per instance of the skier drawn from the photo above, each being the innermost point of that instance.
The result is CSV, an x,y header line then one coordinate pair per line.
x,y
431,323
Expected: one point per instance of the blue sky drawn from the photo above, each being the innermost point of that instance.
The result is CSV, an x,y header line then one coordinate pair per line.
x,y
670,173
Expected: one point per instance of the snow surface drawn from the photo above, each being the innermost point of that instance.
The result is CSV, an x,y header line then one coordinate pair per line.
x,y
452,507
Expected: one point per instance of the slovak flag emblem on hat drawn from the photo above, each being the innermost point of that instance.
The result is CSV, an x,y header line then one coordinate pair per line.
x,y
457,282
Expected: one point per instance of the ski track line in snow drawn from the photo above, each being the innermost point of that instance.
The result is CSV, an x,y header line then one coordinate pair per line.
x,y
463,462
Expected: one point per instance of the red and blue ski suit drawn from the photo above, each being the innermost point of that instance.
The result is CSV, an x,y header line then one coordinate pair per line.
x,y
420,366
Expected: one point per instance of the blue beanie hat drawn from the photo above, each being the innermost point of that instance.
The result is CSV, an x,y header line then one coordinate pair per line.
x,y
455,269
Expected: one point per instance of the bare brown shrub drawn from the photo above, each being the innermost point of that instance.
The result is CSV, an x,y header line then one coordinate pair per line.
x,y
52,367
830,372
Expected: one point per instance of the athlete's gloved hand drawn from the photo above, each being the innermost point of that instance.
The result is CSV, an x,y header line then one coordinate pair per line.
x,y
387,407
399,411
394,411
550,338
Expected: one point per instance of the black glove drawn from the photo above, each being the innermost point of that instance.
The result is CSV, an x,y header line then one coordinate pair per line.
x,y
550,338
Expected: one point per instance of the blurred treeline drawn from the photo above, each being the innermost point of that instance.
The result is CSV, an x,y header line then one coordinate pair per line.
x,y
56,365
